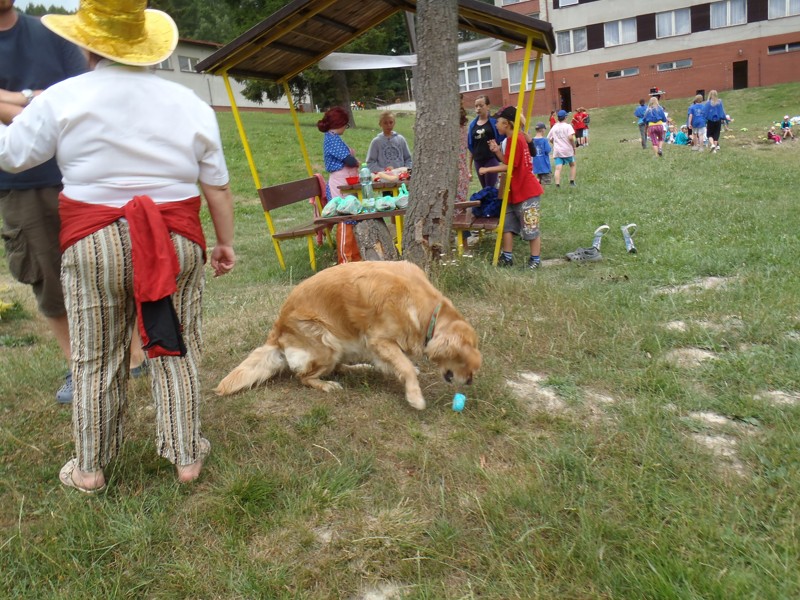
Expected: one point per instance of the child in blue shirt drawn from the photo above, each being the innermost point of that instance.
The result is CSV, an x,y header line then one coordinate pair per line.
x,y
540,150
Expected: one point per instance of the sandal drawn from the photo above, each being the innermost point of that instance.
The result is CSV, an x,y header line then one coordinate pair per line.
x,y
590,254
65,476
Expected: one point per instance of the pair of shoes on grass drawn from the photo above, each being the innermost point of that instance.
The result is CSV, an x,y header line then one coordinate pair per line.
x,y
590,254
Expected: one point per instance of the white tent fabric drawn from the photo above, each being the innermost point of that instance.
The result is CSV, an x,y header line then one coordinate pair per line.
x,y
340,61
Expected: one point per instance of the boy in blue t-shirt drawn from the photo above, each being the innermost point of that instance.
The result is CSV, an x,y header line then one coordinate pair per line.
x,y
540,150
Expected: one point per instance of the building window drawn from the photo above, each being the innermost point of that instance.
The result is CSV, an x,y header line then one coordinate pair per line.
x,y
507,2
629,72
164,65
564,3
188,64
475,75
783,8
620,32
534,15
728,13
673,22
783,48
676,64
515,71
574,40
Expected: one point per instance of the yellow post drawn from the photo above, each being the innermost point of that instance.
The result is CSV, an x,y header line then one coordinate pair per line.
x,y
512,151
296,121
253,171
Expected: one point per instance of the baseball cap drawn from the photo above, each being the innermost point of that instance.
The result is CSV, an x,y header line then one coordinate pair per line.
x,y
509,113
541,125
562,114
786,117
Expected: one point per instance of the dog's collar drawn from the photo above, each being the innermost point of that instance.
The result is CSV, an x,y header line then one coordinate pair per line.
x,y
432,324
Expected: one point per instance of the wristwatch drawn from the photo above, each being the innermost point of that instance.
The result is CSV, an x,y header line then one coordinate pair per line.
x,y
28,95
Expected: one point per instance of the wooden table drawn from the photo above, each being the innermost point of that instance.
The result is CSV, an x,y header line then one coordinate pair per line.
x,y
382,186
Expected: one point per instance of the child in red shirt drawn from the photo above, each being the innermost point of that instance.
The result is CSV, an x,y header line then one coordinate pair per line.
x,y
522,212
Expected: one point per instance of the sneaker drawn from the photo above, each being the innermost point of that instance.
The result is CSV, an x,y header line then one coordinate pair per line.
x,y
505,262
64,394
660,152
572,184
533,265
558,185
139,371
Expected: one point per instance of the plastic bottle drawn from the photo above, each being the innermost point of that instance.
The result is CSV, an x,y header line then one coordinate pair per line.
x,y
365,178
627,233
598,236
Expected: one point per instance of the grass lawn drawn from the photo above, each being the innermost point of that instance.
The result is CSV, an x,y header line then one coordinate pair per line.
x,y
633,432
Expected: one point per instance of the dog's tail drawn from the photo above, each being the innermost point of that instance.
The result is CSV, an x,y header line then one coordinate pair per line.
x,y
262,364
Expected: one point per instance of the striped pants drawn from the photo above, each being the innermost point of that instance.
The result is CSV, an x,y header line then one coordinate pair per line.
x,y
97,277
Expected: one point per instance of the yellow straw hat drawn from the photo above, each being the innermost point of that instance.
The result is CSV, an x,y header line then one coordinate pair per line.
x,y
125,31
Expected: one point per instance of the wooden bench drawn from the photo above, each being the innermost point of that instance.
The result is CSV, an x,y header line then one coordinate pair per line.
x,y
466,221
311,190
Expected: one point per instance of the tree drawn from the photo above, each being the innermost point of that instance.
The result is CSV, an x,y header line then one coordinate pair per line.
x,y
426,233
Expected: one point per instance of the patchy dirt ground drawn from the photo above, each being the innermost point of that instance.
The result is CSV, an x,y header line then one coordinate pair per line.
x,y
716,433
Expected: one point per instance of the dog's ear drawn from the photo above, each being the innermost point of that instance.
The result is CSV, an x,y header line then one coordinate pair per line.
x,y
451,340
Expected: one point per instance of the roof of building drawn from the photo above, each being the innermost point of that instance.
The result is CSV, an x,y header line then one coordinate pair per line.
x,y
305,31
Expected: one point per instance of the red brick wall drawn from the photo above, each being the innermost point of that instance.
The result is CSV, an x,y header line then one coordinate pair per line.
x,y
712,68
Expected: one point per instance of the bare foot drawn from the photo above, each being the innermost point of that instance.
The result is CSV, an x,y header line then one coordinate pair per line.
x,y
84,481
190,472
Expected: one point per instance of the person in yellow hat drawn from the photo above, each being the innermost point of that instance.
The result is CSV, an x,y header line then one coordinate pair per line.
x,y
132,148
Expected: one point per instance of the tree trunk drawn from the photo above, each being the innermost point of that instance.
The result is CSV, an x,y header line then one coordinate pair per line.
x,y
343,93
426,236
374,240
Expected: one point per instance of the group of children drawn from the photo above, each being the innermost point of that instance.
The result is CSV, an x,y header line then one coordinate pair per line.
x,y
563,138
785,131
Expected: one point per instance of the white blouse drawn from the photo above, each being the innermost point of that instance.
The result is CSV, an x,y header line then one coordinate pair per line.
x,y
119,132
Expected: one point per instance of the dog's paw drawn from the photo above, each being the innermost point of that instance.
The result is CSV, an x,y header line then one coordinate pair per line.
x,y
330,386
416,401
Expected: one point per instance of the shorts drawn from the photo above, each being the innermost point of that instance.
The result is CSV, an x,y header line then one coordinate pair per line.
x,y
699,132
523,219
545,178
656,134
713,129
564,160
30,234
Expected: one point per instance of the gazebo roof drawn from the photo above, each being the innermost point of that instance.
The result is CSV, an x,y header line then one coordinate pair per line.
x,y
303,32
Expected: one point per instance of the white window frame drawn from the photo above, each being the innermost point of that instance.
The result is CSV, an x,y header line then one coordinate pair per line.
x,y
684,63
626,72
779,9
674,22
571,32
510,2
188,64
564,3
164,65
515,73
784,48
618,25
726,6
470,66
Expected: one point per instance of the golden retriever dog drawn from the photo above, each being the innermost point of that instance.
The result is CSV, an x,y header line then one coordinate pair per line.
x,y
384,313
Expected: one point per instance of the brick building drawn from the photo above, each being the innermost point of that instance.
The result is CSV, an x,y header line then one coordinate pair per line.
x,y
612,52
